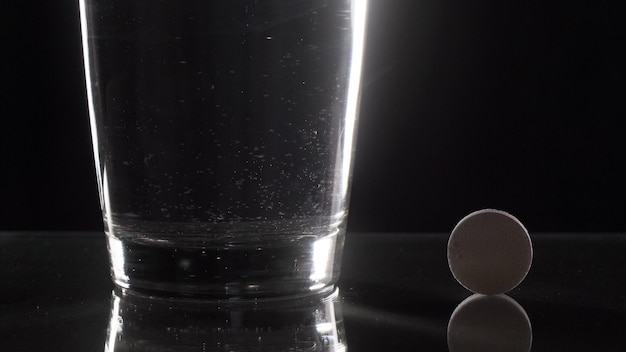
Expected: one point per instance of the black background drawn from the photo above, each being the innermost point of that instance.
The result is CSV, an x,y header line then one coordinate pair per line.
x,y
465,105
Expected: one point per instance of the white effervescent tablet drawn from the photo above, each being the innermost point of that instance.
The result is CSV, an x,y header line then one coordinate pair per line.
x,y
489,252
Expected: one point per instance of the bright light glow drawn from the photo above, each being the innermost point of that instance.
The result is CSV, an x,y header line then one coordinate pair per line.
x,y
359,14
326,327
115,325
323,257
105,200
316,287
90,97
116,250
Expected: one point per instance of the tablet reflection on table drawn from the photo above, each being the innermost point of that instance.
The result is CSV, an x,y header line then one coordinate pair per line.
x,y
489,323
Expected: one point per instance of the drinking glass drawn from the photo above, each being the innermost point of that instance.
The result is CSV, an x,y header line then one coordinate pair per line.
x,y
223,135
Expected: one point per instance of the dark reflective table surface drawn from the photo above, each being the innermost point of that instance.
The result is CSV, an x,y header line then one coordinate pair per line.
x,y
395,294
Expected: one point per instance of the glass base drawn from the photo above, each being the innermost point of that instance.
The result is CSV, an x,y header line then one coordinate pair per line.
x,y
277,266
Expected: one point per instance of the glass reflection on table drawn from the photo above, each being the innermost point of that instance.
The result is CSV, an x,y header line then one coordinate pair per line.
x,y
489,323
139,322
